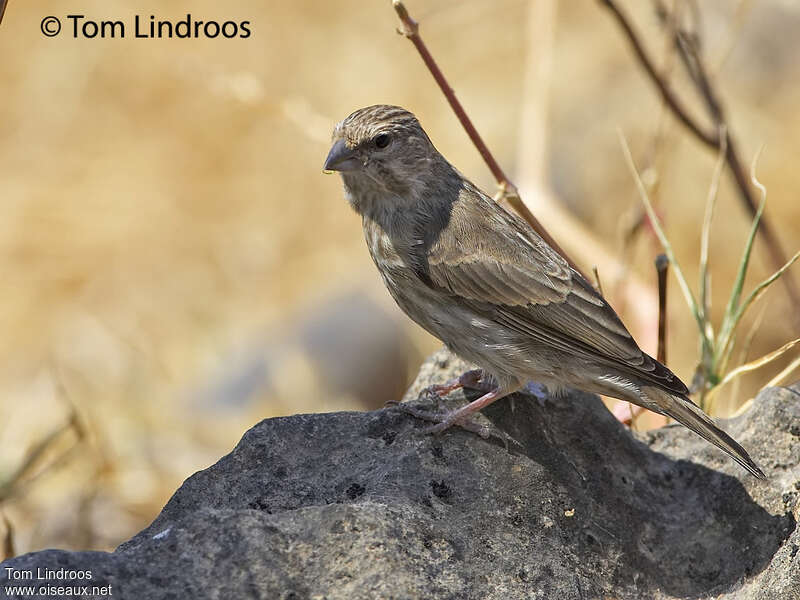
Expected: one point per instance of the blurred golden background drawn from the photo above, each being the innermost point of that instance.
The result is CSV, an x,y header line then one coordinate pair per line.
x,y
176,266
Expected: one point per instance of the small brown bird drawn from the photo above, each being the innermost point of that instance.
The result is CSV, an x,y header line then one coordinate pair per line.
x,y
482,281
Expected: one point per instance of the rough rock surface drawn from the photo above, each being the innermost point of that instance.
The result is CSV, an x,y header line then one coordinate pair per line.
x,y
361,505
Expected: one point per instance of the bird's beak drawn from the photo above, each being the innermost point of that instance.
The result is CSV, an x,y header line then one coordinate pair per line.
x,y
341,158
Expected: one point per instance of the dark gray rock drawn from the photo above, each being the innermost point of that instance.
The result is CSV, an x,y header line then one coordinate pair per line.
x,y
360,505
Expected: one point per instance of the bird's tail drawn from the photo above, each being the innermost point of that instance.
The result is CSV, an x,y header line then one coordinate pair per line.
x,y
689,414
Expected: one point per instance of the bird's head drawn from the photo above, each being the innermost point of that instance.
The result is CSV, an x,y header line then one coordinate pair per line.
x,y
382,150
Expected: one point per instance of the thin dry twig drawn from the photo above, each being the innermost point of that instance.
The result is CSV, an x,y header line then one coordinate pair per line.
x,y
508,191
411,31
662,266
705,234
784,375
669,96
758,363
12,485
598,286
3,4
688,49
744,352
8,550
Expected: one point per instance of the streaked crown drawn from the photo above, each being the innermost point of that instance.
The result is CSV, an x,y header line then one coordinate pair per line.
x,y
367,122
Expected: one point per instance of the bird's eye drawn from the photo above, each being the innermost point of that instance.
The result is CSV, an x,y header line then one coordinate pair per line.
x,y
382,140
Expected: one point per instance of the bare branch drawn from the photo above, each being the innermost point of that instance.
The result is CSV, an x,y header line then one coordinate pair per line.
x,y
709,137
688,44
7,549
662,266
411,31
508,191
597,285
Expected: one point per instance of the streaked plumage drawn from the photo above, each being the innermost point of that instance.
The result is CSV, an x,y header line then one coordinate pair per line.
x,y
482,281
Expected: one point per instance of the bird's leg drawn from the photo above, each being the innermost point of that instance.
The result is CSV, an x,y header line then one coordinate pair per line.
x,y
474,379
459,416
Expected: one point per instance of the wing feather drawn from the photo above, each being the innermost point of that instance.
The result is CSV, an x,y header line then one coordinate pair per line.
x,y
530,288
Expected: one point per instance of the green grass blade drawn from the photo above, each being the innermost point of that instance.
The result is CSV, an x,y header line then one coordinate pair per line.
x,y
711,201
676,268
762,287
729,320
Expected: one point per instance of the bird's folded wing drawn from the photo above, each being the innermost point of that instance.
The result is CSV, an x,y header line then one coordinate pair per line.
x,y
505,271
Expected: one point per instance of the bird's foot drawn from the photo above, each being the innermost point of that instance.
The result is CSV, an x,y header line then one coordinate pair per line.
x,y
475,379
445,420
462,417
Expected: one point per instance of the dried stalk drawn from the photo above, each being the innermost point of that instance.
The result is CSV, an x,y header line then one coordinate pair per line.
x,y
688,50
508,191
7,551
662,266
12,485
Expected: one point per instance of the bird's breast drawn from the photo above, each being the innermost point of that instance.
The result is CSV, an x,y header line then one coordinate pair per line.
x,y
380,246
398,274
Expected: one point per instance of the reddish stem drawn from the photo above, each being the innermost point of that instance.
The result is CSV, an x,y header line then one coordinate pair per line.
x,y
509,190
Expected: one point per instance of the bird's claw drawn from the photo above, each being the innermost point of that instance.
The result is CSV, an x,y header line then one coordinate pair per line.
x,y
444,420
436,391
474,379
468,424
